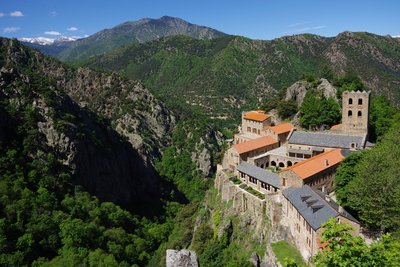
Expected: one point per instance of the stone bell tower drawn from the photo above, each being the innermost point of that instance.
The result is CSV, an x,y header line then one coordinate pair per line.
x,y
355,112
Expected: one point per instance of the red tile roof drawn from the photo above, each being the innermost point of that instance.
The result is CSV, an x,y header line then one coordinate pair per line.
x,y
282,128
258,115
336,127
316,164
255,144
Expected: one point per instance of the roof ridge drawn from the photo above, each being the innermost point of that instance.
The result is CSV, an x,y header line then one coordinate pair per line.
x,y
308,160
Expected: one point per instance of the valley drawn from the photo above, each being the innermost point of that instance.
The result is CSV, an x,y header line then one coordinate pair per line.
x,y
121,145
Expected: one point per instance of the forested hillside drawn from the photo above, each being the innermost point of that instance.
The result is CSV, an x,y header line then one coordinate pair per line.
x,y
220,76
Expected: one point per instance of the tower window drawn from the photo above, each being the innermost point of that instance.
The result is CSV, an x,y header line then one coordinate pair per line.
x,y
350,101
350,113
360,101
359,114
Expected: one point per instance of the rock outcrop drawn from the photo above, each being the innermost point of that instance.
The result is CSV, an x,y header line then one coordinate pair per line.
x,y
100,159
181,258
131,109
297,91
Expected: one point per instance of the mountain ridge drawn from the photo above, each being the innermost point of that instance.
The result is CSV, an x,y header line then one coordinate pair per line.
x,y
219,75
139,31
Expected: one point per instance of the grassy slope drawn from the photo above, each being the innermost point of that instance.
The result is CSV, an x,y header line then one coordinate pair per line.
x,y
284,251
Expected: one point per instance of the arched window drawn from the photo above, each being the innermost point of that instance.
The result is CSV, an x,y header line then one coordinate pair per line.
x,y
359,114
273,163
289,163
360,101
350,113
262,166
350,101
281,165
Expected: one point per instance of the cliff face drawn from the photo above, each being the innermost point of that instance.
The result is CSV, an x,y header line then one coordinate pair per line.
x,y
132,109
297,91
101,159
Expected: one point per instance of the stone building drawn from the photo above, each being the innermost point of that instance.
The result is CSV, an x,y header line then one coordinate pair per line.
x,y
242,151
305,145
355,112
280,132
304,211
262,180
317,172
278,157
254,125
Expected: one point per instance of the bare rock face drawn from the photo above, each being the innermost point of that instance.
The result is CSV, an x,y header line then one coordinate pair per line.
x,y
327,88
297,92
134,112
181,258
255,259
66,104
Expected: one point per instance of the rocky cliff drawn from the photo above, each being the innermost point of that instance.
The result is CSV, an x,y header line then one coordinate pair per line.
x,y
297,91
61,103
132,110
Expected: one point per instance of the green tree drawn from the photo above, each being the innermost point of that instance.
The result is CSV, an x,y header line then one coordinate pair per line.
x,y
343,249
317,110
375,190
382,116
287,109
344,175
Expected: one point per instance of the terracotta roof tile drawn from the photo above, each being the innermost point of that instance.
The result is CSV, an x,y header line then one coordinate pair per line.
x,y
336,127
316,164
256,116
282,128
255,144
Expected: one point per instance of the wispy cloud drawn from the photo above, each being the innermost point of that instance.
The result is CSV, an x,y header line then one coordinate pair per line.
x,y
72,29
297,24
11,29
2,14
306,29
52,33
53,13
16,14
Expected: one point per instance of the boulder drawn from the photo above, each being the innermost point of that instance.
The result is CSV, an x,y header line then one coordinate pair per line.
x,y
181,258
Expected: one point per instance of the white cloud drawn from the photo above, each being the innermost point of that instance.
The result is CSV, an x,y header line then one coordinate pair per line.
x,y
16,14
297,24
11,29
53,13
1,14
72,29
52,33
306,29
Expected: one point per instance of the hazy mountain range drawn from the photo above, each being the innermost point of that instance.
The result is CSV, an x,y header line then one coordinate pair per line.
x,y
139,31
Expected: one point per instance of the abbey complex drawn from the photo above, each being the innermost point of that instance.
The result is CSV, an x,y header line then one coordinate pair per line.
x,y
288,174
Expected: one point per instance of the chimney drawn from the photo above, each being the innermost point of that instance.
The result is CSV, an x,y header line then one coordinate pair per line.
x,y
323,189
341,209
326,162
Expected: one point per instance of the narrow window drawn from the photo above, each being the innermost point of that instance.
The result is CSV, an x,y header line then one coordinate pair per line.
x,y
360,101
350,113
350,101
359,114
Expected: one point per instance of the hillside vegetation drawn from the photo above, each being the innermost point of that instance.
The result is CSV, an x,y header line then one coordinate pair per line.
x,y
222,76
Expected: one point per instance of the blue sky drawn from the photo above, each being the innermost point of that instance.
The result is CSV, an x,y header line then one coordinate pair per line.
x,y
257,19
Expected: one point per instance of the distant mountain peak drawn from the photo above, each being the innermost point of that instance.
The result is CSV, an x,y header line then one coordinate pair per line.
x,y
139,31
49,41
